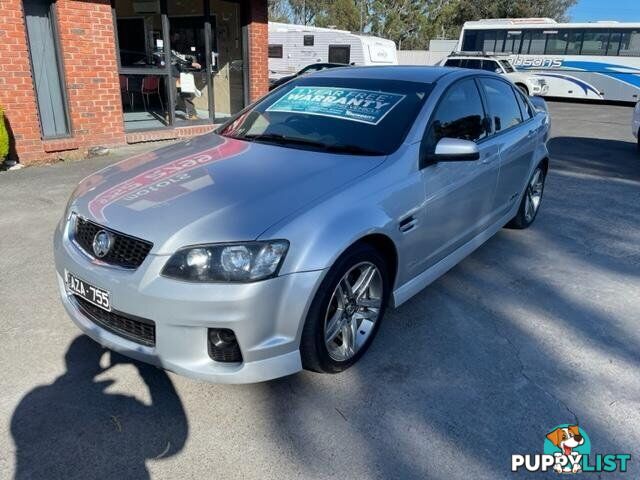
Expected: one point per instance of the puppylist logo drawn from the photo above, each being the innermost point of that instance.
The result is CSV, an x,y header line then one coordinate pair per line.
x,y
567,449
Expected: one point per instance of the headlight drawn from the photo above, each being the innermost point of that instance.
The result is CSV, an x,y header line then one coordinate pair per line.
x,y
237,262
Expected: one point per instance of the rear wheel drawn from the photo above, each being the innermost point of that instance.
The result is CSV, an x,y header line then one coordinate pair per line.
x,y
346,312
531,200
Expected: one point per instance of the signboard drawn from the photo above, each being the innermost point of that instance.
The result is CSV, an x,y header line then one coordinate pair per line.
x,y
364,106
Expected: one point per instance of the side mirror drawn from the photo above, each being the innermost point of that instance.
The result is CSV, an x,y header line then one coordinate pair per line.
x,y
452,150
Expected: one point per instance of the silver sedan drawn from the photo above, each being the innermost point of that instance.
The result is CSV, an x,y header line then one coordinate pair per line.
x,y
278,242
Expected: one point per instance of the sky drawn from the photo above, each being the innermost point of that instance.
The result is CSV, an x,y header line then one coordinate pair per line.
x,y
593,10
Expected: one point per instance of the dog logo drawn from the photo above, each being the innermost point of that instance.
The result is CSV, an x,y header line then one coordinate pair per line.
x,y
567,450
566,439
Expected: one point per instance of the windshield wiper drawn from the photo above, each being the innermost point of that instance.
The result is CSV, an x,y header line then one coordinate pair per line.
x,y
280,139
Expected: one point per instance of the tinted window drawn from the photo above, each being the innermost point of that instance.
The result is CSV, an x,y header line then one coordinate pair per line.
x,y
491,66
507,66
473,63
525,107
453,62
502,104
630,44
512,44
471,40
595,42
327,128
538,41
489,41
614,43
275,51
574,43
459,115
557,43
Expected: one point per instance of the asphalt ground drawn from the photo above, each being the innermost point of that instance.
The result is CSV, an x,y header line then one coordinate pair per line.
x,y
536,328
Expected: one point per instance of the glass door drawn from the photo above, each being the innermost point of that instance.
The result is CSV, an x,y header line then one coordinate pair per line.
x,y
227,69
190,61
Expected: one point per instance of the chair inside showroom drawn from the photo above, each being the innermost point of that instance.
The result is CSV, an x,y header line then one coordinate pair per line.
x,y
125,91
151,86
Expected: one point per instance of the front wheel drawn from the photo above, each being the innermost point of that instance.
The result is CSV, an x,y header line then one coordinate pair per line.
x,y
531,200
346,312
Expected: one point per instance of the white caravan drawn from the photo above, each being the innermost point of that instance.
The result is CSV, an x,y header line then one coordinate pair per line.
x,y
293,47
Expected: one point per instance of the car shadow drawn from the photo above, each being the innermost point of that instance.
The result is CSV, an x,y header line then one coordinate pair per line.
x,y
74,428
594,156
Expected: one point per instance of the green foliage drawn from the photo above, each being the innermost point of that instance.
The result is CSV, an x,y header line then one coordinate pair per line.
x,y
411,24
4,137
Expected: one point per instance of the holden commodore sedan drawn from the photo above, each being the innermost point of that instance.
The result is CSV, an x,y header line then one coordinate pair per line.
x,y
278,242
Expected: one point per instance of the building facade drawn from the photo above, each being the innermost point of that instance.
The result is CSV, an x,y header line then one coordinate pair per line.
x,y
82,73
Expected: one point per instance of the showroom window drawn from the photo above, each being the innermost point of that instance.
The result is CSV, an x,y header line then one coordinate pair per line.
x,y
181,62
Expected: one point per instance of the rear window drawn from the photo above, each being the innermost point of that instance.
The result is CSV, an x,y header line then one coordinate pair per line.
x,y
349,115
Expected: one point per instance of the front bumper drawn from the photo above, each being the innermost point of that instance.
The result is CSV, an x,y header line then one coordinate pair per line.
x,y
267,317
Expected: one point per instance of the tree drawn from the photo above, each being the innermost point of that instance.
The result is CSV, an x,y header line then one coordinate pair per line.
x,y
410,23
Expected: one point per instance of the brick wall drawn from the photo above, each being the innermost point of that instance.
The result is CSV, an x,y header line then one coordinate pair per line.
x,y
86,38
257,17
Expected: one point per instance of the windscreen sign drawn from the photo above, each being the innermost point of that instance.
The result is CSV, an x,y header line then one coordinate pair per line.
x,y
364,106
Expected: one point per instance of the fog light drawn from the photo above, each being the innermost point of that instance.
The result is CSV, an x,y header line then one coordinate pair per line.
x,y
223,346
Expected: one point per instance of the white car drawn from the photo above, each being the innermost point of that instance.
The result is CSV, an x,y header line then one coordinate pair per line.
x,y
635,123
529,84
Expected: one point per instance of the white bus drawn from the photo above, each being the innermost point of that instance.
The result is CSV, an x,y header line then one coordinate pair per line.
x,y
293,47
599,61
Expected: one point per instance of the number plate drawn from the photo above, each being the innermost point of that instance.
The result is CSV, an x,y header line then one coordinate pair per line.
x,y
97,296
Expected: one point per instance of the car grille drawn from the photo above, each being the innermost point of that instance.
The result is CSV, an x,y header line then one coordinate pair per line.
x,y
126,252
136,329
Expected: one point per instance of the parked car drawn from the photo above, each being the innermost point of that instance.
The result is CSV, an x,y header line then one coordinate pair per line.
x,y
278,242
635,124
529,84
315,67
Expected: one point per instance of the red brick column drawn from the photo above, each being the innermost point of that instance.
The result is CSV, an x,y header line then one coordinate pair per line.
x,y
91,70
16,89
257,19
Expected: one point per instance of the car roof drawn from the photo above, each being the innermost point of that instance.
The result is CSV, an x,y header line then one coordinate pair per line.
x,y
407,73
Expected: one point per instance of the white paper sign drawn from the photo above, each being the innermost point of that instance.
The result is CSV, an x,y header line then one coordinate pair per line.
x,y
187,83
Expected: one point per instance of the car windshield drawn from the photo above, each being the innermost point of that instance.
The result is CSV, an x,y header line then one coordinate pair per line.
x,y
339,115
507,66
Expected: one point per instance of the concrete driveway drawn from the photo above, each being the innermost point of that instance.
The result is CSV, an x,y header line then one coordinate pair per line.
x,y
535,329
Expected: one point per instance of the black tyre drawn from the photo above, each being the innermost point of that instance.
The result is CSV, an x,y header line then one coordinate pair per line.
x,y
531,200
346,312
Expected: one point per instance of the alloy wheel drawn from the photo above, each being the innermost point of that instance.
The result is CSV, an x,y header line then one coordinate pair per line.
x,y
534,195
353,311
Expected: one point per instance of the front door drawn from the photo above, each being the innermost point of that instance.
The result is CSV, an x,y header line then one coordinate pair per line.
x,y
459,196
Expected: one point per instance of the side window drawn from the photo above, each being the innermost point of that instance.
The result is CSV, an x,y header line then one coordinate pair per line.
x,y
474,64
452,62
308,40
459,115
491,66
525,106
502,104
595,42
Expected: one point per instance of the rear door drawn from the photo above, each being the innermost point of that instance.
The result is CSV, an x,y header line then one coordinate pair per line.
x,y
515,135
459,196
